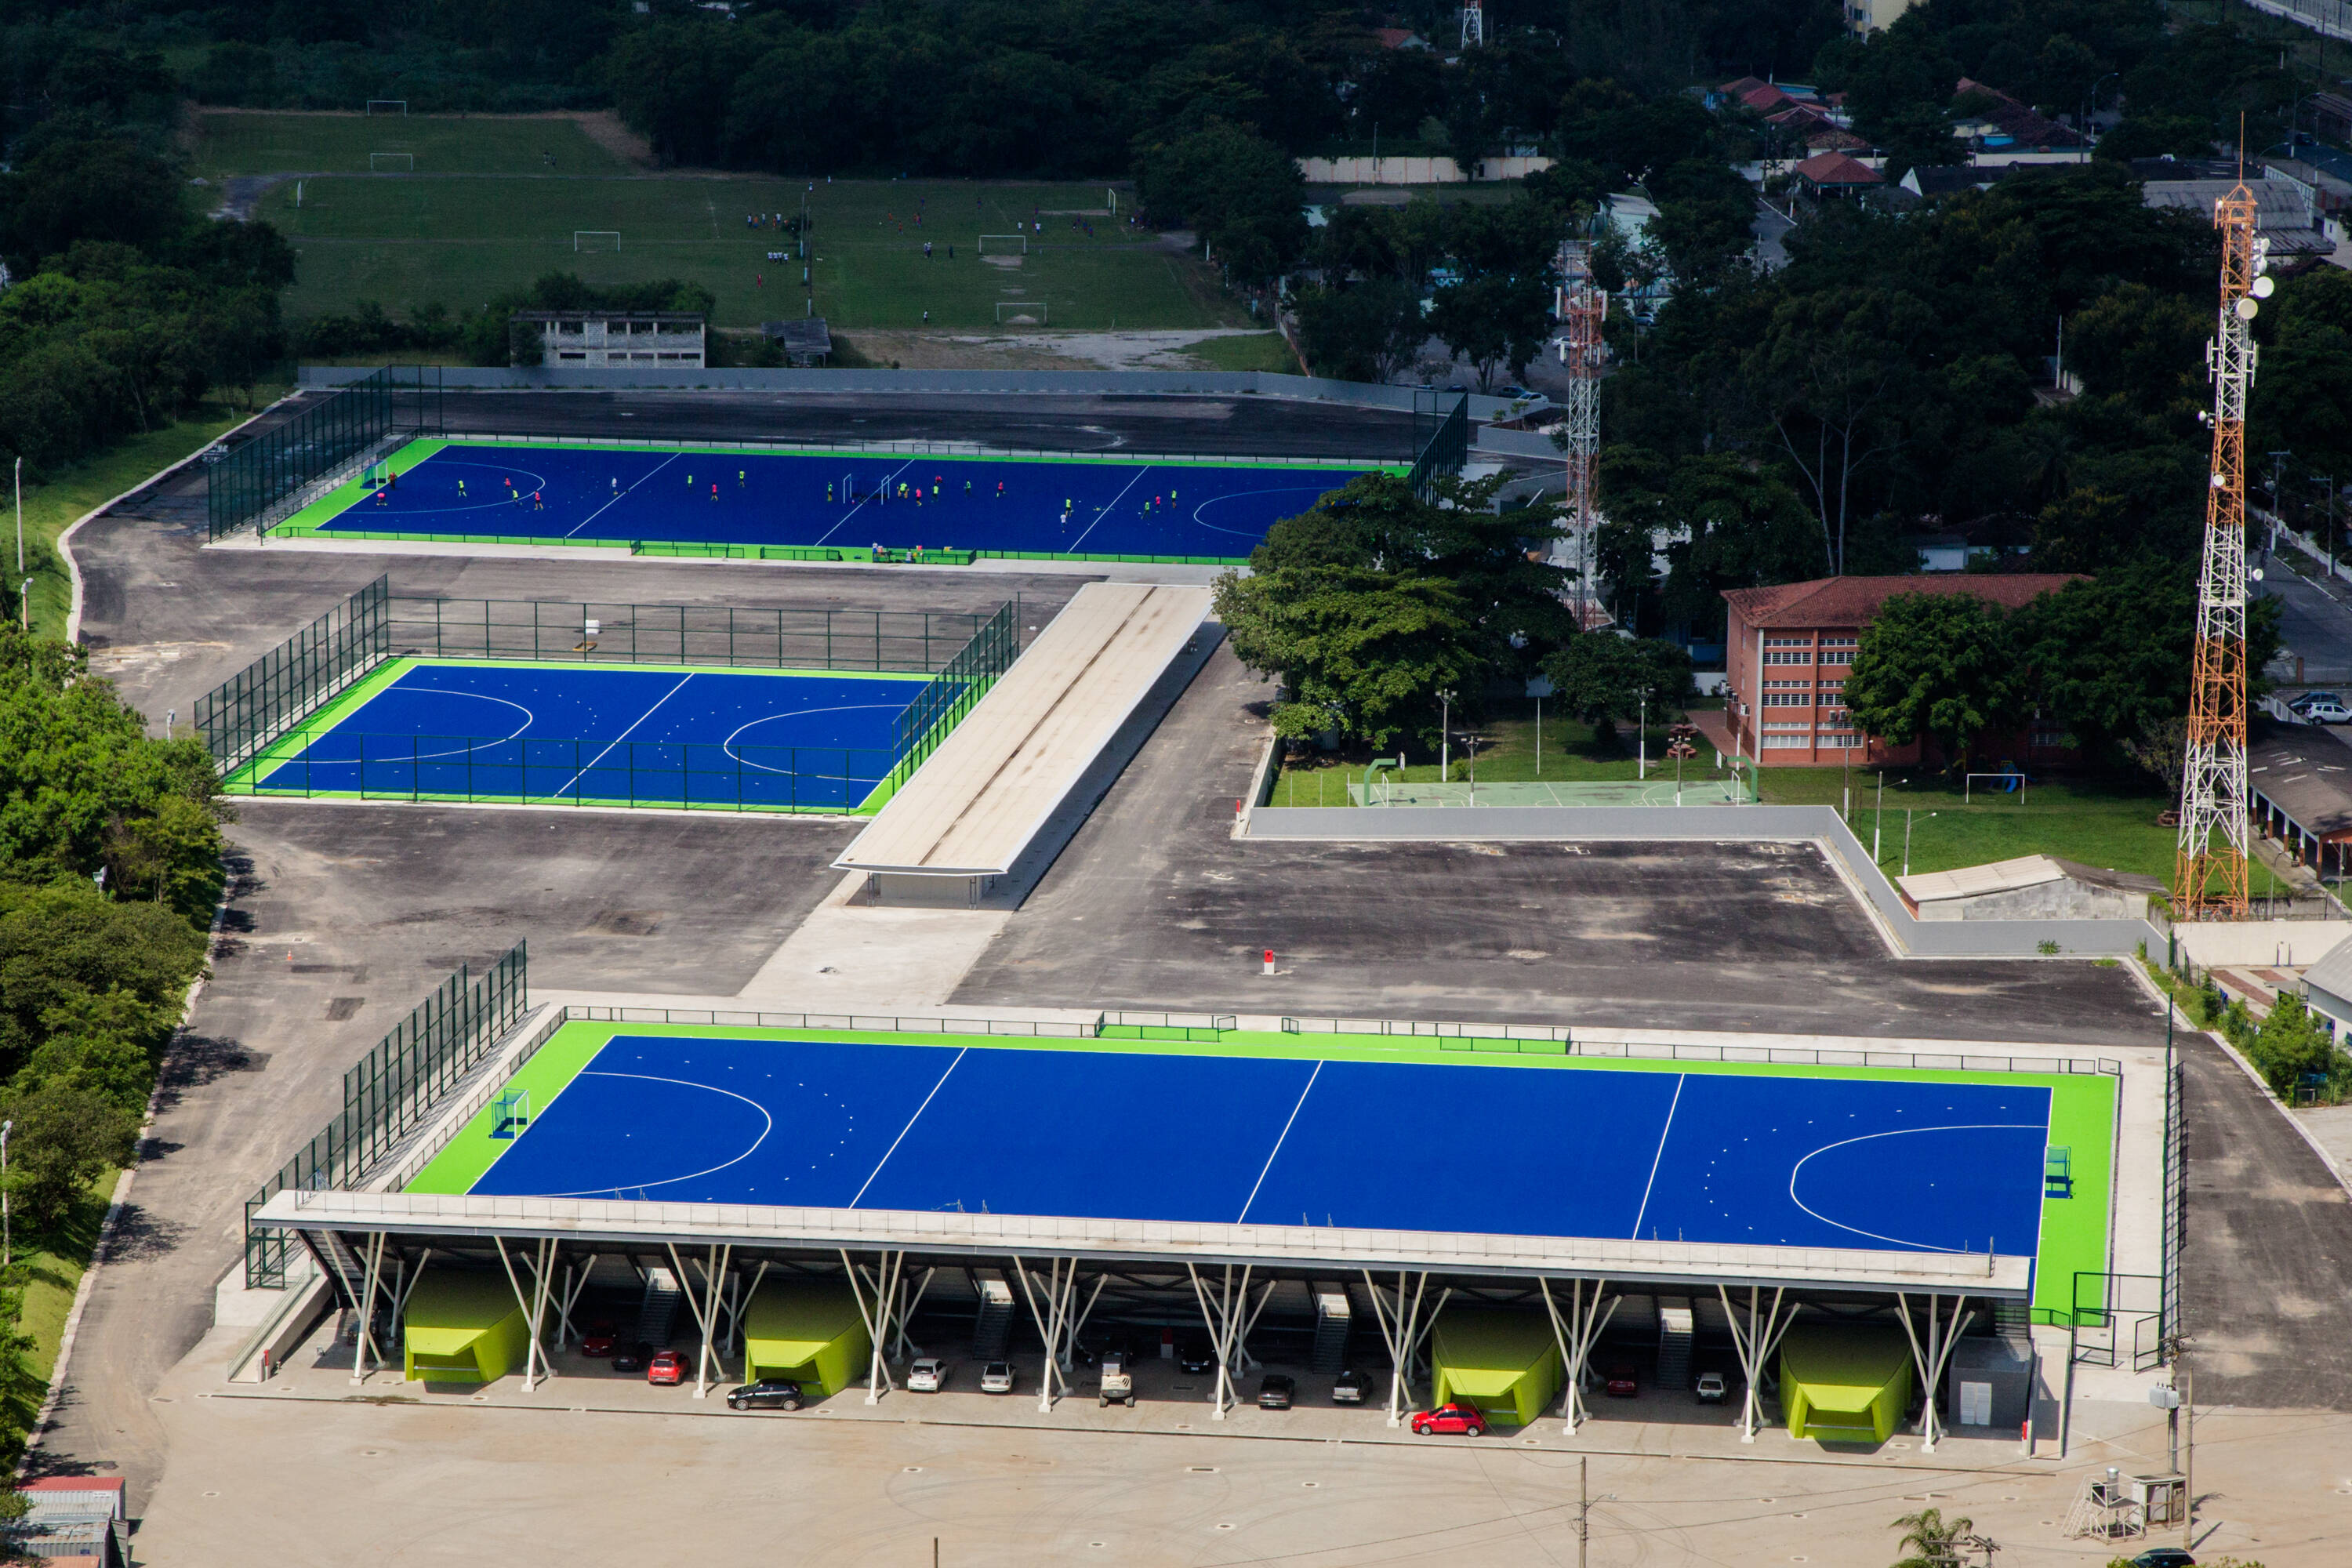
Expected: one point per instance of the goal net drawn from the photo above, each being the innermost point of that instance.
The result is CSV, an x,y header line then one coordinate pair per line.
x,y
387,106
1021,312
399,163
1014,244
588,239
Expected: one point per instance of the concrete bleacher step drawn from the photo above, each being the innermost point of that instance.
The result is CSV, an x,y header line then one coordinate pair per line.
x,y
1334,1316
1673,1341
658,1309
994,1324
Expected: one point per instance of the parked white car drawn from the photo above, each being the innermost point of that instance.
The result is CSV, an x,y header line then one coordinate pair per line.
x,y
2328,714
1711,1389
927,1374
996,1377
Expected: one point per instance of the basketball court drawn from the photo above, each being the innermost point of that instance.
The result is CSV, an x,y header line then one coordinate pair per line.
x,y
1165,508
765,739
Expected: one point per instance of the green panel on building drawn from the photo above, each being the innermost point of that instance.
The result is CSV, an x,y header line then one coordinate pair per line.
x,y
1846,1382
1506,1363
808,1330
462,1327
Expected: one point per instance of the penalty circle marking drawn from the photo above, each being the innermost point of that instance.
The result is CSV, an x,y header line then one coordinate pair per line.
x,y
1798,1168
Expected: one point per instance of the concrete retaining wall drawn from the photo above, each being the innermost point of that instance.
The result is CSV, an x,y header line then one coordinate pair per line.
x,y
970,383
1722,825
2255,941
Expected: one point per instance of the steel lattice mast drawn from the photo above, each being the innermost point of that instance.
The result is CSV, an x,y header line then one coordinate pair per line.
x,y
2213,813
1583,308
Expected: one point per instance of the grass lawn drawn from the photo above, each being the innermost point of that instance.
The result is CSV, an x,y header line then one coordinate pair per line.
x,y
52,1264
1258,351
459,239
1505,754
51,508
231,144
2097,822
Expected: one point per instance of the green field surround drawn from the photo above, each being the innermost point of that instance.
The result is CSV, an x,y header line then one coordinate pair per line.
x,y
2081,1105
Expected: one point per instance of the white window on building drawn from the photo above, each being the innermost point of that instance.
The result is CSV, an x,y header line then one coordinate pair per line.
x,y
1788,655
2048,740
1840,741
571,354
1838,650
1787,743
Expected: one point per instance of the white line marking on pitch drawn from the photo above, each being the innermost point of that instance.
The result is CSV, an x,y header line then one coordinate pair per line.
x,y
1661,1154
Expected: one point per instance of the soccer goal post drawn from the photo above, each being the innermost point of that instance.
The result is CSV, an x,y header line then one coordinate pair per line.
x,y
387,106
1031,311
399,163
595,240
1005,242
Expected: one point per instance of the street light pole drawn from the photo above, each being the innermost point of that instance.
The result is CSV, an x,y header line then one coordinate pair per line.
x,y
1445,737
1907,839
7,1242
1642,739
1878,822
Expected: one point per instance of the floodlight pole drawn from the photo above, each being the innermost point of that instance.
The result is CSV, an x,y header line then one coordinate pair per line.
x,y
20,516
7,1248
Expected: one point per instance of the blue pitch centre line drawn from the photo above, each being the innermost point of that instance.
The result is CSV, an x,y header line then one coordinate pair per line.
x,y
623,493
623,735
885,1160
1105,511
1651,1183
1242,1217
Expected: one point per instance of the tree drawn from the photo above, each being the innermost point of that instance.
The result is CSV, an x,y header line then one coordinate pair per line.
x,y
1931,1540
2291,1047
1367,331
1602,678
1373,600
1241,193
65,1137
1934,666
1492,321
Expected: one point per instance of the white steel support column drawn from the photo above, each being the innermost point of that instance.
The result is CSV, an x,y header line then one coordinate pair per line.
x,y
407,1286
704,1305
1223,1309
1755,1345
539,1264
1930,1356
741,1339
883,1286
1053,1323
906,1347
1402,1329
364,1350
1576,1337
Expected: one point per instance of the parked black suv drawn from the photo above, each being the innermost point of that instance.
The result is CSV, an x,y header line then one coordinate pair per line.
x,y
768,1393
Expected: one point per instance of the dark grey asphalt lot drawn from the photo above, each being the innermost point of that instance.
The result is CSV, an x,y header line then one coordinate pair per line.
x,y
342,918
1154,904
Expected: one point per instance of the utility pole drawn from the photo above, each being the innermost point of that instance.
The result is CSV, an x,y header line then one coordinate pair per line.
x,y
2329,480
1878,823
1584,1501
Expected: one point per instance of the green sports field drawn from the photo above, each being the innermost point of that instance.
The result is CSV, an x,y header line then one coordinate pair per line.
x,y
483,213
2075,1230
233,142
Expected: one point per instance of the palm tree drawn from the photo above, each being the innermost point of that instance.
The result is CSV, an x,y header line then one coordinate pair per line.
x,y
1931,1540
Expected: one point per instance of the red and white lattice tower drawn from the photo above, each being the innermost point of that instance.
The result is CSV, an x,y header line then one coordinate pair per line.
x,y
1583,308
1474,25
2213,795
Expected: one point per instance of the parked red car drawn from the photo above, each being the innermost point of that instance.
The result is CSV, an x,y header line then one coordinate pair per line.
x,y
667,1367
600,1340
1455,1417
1621,1384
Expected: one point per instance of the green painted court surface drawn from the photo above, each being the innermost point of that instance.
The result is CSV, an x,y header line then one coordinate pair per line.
x,y
2072,1229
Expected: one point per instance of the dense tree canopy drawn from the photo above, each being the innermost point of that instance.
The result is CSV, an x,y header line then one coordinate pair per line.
x,y
1374,601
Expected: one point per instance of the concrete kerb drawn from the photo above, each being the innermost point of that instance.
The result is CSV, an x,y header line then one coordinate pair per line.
x,y
65,539
1909,937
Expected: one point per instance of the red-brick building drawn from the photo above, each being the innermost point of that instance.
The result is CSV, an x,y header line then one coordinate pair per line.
x,y
1787,651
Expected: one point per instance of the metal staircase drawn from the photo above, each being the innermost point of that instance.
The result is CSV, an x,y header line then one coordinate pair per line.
x,y
1673,1341
994,1324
